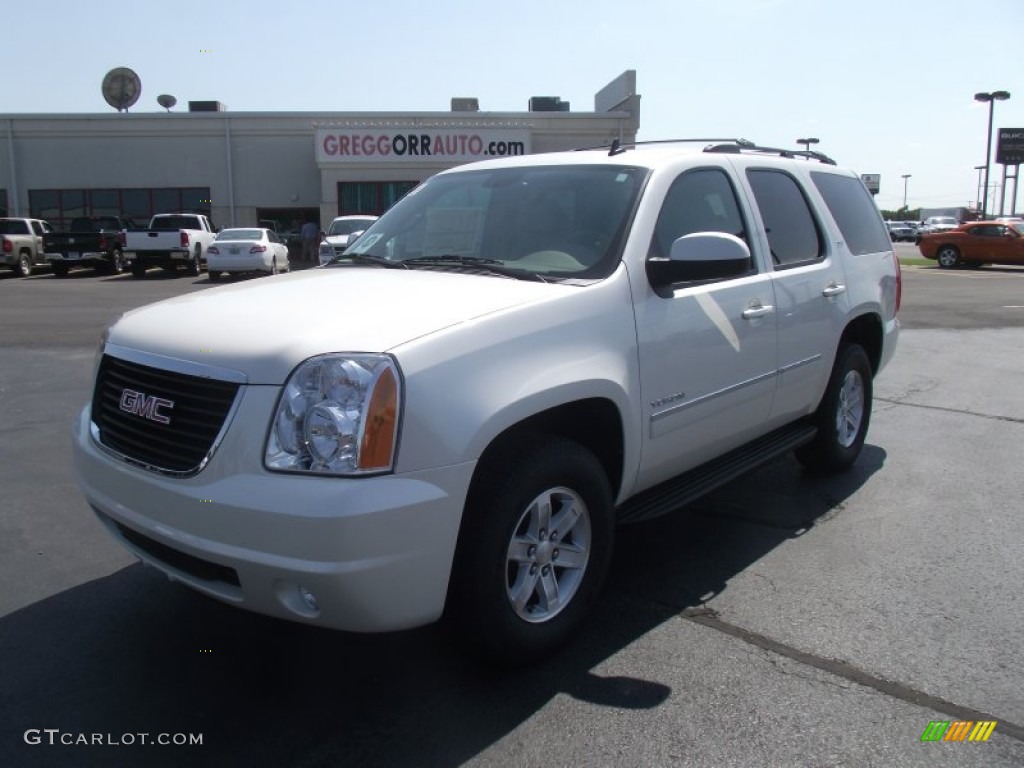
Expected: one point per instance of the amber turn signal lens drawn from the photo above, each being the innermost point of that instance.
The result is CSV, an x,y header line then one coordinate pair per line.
x,y
376,451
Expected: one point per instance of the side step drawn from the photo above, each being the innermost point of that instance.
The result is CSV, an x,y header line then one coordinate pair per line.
x,y
690,486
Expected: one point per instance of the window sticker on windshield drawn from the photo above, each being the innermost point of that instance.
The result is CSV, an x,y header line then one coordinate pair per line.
x,y
364,244
453,231
622,177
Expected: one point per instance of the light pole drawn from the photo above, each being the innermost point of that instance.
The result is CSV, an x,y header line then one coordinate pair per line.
x,y
807,144
991,98
905,177
979,169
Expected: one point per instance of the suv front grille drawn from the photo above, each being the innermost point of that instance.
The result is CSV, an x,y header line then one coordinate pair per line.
x,y
164,420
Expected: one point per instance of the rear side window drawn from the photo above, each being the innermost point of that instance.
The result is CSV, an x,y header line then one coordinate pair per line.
x,y
793,235
855,212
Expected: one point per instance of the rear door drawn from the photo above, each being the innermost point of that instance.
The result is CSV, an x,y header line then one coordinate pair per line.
x,y
810,286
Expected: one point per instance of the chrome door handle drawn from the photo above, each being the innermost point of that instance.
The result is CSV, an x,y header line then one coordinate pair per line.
x,y
759,310
833,289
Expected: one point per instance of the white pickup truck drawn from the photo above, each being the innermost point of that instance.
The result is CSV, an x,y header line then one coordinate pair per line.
x,y
515,358
172,239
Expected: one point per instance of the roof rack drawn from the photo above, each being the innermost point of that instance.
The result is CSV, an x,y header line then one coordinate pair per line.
x,y
734,149
617,147
729,145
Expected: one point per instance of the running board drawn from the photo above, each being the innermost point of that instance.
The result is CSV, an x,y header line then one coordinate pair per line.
x,y
690,486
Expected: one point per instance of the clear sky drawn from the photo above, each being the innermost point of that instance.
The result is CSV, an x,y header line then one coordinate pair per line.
x,y
886,86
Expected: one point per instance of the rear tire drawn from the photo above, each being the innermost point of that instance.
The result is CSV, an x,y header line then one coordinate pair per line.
x,y
60,270
533,551
195,264
273,266
843,416
116,264
214,276
138,270
24,265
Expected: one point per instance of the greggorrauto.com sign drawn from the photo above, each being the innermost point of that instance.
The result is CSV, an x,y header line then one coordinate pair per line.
x,y
418,143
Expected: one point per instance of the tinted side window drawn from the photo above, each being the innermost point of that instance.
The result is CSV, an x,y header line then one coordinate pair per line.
x,y
697,201
37,228
989,230
792,234
854,211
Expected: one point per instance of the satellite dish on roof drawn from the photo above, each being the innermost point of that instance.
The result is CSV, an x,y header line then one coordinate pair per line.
x,y
166,101
121,88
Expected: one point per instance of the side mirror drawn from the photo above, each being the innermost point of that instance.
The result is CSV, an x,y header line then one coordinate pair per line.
x,y
699,256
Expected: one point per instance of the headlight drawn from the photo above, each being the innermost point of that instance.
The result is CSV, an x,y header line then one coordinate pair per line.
x,y
338,415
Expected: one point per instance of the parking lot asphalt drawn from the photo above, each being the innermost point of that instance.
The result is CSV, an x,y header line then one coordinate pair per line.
x,y
785,620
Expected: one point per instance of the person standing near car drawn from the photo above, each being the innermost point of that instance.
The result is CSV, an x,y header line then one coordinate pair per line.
x,y
310,240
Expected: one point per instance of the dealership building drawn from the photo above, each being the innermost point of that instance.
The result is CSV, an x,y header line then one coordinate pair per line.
x,y
243,167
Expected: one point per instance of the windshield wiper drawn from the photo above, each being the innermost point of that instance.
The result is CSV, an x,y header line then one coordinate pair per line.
x,y
363,258
490,265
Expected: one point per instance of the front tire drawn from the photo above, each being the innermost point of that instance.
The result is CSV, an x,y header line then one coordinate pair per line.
x,y
948,257
533,551
843,416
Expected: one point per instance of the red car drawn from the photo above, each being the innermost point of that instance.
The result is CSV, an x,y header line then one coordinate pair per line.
x,y
977,243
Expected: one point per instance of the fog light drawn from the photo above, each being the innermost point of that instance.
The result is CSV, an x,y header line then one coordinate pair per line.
x,y
309,599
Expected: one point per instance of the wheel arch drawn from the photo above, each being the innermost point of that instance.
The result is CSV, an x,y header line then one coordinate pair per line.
x,y
595,423
866,331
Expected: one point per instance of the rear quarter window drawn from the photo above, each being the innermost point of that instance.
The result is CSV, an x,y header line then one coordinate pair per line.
x,y
854,211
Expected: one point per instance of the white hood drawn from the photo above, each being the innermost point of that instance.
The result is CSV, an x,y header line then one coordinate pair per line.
x,y
265,327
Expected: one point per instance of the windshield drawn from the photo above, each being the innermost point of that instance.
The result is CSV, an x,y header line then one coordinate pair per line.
x,y
348,226
13,227
945,220
552,222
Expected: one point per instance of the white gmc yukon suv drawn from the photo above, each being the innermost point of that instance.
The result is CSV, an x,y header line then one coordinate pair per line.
x,y
517,357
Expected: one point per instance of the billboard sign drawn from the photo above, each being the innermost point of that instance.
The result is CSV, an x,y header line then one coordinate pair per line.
x,y
1010,149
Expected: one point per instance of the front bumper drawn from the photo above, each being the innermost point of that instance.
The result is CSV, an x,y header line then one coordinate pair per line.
x,y
375,553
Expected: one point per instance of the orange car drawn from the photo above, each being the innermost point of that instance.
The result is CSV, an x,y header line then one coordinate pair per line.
x,y
974,244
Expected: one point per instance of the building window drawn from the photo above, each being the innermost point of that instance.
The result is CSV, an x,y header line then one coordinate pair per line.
x,y
3,202
370,197
59,206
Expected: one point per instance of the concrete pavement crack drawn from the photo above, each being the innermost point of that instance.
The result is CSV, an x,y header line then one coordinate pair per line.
x,y
709,617
1011,419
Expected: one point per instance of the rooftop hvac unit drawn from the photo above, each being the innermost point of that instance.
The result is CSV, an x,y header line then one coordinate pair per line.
x,y
460,104
206,106
548,104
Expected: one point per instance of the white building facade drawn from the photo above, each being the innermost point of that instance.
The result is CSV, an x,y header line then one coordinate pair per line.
x,y
245,167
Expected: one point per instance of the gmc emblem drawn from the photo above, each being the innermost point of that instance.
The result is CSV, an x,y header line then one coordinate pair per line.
x,y
146,406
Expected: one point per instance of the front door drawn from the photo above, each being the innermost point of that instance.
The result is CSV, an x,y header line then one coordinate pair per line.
x,y
707,351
